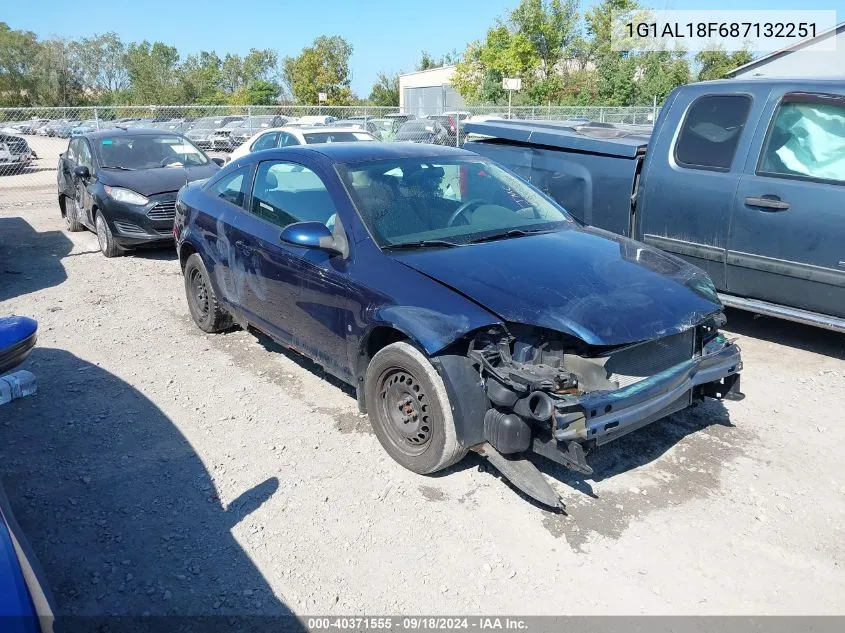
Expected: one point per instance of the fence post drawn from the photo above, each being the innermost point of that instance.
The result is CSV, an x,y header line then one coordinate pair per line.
x,y
249,116
97,118
601,115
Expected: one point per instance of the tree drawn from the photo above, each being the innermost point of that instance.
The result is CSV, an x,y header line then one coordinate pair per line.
x,y
321,67
152,71
102,63
385,90
262,92
716,64
200,79
428,62
58,74
534,43
18,53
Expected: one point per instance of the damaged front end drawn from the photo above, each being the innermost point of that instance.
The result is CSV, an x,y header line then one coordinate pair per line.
x,y
552,394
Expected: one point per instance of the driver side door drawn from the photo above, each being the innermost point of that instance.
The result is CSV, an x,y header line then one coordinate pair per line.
x,y
297,295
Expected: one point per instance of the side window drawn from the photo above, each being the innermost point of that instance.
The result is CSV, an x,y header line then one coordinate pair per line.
x,y
286,192
286,140
806,139
232,187
83,155
265,141
72,149
711,131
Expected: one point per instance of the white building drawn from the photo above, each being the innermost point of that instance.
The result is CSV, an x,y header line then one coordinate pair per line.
x,y
428,91
803,59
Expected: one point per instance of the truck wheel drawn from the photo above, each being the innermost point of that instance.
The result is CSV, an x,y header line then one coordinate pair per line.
x,y
409,410
202,302
105,238
72,214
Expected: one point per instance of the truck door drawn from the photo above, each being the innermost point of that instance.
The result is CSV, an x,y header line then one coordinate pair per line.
x,y
692,167
787,240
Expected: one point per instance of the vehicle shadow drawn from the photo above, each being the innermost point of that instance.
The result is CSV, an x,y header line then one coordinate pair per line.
x,y
159,253
788,333
122,513
41,268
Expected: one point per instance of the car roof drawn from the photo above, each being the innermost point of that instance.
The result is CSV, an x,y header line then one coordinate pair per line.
x,y
359,152
114,132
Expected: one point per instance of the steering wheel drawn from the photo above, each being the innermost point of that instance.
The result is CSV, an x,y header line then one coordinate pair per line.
x,y
167,160
461,210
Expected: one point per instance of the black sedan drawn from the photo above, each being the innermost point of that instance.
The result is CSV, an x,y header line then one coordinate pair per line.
x,y
122,184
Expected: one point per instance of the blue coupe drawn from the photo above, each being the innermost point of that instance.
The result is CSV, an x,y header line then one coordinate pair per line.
x,y
467,308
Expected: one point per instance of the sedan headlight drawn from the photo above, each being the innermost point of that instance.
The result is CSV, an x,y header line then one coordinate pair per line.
x,y
126,195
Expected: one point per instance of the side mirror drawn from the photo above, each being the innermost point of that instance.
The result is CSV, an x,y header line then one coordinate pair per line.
x,y
81,172
313,235
218,161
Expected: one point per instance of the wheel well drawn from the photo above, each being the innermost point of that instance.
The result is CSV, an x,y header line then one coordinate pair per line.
x,y
379,338
185,251
62,205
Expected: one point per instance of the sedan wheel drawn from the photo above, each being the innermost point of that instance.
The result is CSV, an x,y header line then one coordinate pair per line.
x,y
202,301
409,409
73,214
106,239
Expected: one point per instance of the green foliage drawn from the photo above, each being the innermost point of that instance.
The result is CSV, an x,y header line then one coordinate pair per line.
x,y
565,58
385,91
102,69
716,64
321,67
428,62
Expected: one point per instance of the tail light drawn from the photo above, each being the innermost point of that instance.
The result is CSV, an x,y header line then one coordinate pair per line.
x,y
452,124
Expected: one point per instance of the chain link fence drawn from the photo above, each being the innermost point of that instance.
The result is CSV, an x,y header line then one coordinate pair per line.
x,y
31,139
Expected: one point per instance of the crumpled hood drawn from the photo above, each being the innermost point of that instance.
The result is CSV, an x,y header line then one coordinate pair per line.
x,y
149,182
602,288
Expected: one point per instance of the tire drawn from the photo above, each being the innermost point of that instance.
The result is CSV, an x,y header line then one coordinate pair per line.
x,y
105,238
202,301
409,410
72,214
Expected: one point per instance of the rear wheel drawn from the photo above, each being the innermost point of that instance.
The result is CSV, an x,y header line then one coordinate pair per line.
x,y
409,410
105,238
202,301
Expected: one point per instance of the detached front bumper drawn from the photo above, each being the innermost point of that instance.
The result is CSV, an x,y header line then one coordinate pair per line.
x,y
605,416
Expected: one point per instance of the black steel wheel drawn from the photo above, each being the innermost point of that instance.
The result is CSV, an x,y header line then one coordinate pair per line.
x,y
409,409
202,301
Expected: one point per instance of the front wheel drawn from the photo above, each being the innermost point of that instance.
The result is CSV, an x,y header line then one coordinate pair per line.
x,y
409,410
105,238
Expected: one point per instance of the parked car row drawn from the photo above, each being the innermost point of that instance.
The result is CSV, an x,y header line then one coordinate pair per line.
x,y
424,276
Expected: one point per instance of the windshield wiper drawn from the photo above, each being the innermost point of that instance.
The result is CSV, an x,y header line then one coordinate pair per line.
x,y
508,234
120,167
421,244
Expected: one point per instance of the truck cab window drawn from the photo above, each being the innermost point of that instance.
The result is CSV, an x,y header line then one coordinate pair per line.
x,y
711,131
806,140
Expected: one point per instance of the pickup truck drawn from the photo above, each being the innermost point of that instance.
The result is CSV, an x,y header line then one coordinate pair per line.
x,y
743,178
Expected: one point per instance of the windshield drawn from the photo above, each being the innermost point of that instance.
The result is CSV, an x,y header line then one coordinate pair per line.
x,y
452,200
149,151
336,137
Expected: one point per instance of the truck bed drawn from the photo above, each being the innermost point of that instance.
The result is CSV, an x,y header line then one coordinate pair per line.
x,y
596,187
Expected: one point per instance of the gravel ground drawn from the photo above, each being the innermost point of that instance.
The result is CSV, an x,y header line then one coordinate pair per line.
x,y
161,470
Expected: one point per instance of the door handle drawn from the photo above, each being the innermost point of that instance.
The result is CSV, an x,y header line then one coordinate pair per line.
x,y
242,247
767,203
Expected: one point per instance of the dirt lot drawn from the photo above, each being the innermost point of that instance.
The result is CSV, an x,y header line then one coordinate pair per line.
x,y
161,470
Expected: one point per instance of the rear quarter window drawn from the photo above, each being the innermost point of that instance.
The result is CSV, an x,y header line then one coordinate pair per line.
x,y
711,131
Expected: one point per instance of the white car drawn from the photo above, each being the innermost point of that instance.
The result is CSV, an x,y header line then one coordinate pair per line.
x,y
289,136
315,119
